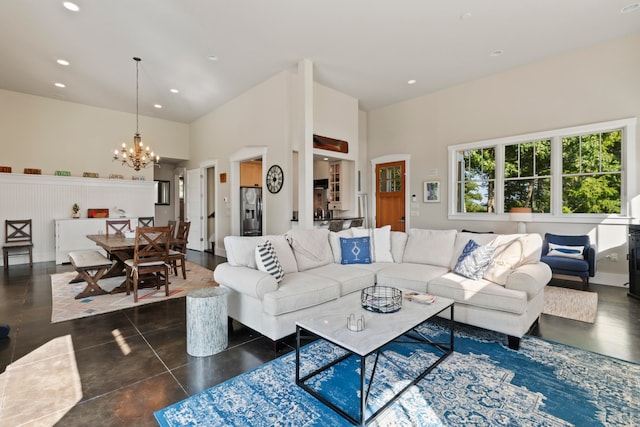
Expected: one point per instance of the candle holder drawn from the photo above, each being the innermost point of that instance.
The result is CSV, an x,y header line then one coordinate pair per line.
x,y
355,325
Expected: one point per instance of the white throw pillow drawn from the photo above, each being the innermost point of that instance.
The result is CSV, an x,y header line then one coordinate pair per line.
x,y
382,244
267,261
508,256
566,251
398,242
334,241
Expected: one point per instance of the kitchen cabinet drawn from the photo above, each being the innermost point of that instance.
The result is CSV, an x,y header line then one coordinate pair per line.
x,y
340,186
251,174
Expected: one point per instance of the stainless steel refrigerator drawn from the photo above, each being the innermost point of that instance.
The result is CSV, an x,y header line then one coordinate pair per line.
x,y
250,211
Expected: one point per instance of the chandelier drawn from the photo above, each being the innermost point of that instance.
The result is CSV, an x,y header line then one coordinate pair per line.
x,y
136,157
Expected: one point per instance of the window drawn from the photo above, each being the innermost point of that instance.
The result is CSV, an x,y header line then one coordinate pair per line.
x,y
527,175
592,173
584,171
476,180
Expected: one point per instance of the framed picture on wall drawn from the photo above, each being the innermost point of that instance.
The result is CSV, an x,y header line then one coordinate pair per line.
x,y
431,191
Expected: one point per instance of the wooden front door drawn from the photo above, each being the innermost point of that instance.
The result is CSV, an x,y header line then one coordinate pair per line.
x,y
390,198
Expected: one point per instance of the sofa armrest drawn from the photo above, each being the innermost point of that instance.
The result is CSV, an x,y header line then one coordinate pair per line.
x,y
245,280
590,256
529,278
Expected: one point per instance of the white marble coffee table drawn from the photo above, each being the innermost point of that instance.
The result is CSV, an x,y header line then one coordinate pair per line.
x,y
380,329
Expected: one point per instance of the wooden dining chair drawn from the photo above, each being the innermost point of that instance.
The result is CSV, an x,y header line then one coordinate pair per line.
x,y
118,226
178,251
150,259
172,224
146,221
17,240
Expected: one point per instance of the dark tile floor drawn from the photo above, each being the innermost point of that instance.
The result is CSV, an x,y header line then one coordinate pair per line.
x,y
134,361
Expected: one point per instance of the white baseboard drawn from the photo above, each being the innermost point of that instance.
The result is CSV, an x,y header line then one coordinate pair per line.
x,y
601,278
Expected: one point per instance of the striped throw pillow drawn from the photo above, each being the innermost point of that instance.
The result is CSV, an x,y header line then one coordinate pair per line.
x,y
267,261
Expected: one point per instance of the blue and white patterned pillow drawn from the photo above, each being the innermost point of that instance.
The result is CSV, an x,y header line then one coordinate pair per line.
x,y
474,260
566,251
267,261
355,250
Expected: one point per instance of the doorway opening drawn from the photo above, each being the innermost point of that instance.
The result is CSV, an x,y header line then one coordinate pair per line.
x,y
210,201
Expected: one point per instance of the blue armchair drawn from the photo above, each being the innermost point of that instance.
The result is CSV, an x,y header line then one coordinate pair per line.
x,y
564,263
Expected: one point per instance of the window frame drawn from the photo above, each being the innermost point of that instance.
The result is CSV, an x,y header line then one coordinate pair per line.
x,y
628,178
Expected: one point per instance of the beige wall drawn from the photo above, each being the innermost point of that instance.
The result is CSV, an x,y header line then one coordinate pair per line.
x,y
265,116
50,134
257,118
597,84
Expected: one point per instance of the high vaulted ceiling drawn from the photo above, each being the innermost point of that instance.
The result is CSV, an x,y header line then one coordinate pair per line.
x,y
368,49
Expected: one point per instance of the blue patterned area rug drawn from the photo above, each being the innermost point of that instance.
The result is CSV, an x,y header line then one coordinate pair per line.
x,y
481,383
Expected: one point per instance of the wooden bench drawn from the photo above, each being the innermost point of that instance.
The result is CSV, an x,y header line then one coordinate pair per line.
x,y
91,266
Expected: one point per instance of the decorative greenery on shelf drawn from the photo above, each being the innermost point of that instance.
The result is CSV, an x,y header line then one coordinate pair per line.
x,y
75,208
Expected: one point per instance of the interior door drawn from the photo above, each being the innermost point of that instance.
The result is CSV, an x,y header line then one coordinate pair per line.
x,y
390,195
194,209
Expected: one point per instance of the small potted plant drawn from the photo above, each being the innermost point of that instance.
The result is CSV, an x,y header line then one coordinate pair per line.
x,y
75,209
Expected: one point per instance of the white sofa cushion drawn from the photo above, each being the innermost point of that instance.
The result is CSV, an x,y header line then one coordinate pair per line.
x,y
432,247
409,276
241,251
479,293
310,247
351,279
298,291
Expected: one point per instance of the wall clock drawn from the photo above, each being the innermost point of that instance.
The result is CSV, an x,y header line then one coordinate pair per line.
x,y
275,179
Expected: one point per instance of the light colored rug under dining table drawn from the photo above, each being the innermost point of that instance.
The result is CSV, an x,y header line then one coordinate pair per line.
x,y
66,307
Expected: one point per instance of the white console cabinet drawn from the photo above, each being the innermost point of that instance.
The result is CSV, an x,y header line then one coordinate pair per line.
x,y
71,235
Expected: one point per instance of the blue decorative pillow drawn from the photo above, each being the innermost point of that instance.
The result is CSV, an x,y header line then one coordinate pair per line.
x,y
474,260
355,250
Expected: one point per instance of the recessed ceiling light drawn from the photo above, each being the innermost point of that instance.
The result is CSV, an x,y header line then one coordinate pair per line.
x,y
630,8
157,106
465,16
411,82
71,6
212,58
60,85
497,52
326,158
174,90
62,62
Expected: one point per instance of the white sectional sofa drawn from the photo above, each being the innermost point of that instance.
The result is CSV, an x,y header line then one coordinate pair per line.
x,y
507,299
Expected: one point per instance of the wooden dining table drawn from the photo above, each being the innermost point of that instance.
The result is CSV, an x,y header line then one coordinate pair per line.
x,y
119,248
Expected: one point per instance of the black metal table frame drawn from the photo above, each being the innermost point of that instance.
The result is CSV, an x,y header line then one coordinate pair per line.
x,y
410,337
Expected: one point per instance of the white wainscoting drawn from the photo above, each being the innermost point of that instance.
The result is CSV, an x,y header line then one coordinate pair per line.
x,y
45,198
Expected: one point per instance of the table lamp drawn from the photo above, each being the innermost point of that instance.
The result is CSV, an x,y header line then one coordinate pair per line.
x,y
521,215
